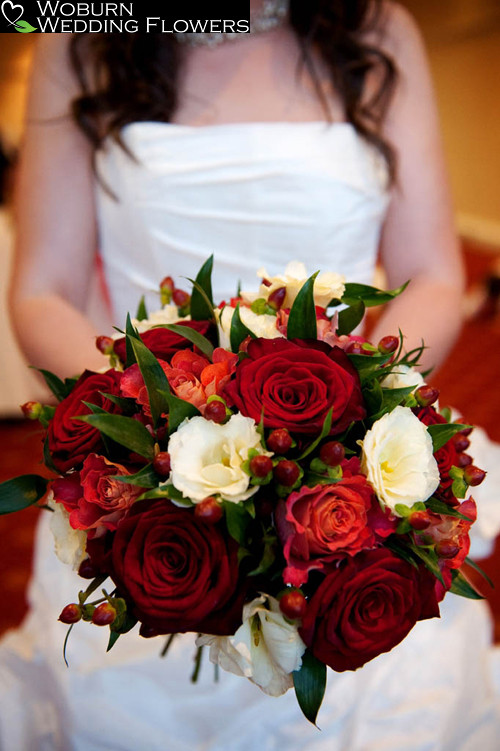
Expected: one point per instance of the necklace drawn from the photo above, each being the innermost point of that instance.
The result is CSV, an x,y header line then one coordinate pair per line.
x,y
272,15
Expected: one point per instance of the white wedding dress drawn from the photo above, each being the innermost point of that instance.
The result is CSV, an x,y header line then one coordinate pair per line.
x,y
252,194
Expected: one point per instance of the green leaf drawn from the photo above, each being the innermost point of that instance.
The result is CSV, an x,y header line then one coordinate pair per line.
x,y
145,478
310,684
59,388
125,431
460,586
47,458
441,433
267,560
178,410
237,520
350,317
429,557
126,404
391,398
370,296
131,333
142,312
193,336
202,303
302,319
21,492
479,570
113,638
155,379
440,507
24,27
239,331
325,430
368,365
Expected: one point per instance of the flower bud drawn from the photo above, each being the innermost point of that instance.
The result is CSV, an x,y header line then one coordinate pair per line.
x,y
473,475
287,473
419,520
166,289
280,441
105,344
87,570
293,604
209,510
388,344
464,460
461,442
216,411
161,464
104,614
181,298
72,613
426,395
332,453
447,549
32,410
277,298
260,466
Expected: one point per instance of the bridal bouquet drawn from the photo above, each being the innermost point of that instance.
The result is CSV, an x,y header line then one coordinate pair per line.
x,y
257,474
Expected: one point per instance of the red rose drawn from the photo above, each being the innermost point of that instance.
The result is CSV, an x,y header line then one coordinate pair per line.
x,y
295,383
179,574
324,523
93,499
162,342
366,607
70,441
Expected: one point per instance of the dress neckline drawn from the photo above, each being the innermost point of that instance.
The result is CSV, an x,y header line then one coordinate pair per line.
x,y
244,125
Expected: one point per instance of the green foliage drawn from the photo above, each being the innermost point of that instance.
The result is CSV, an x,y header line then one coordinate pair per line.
x,y
302,319
194,337
202,304
21,492
125,431
239,331
310,684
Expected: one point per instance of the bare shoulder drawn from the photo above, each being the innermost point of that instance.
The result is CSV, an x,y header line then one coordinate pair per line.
x,y
396,32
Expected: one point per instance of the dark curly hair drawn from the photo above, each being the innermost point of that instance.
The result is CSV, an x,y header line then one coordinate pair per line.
x,y
133,77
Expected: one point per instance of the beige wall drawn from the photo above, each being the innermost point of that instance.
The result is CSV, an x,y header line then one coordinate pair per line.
x,y
463,41
15,56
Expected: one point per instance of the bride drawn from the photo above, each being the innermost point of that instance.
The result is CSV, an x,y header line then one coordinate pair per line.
x,y
316,140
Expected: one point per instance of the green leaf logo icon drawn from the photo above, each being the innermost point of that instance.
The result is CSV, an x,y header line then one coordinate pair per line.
x,y
24,27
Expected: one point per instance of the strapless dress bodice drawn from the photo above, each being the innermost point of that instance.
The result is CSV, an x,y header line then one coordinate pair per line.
x,y
253,194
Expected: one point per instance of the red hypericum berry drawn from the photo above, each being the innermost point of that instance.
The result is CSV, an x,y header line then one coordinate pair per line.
x,y
147,632
447,549
104,614
105,344
354,348
426,395
388,344
419,520
87,570
287,472
266,283
161,464
293,604
216,411
332,453
208,510
277,298
467,431
72,613
32,410
461,442
260,466
180,297
167,283
473,475
464,460
279,441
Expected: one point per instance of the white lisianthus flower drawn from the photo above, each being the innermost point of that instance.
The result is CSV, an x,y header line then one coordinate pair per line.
x,y
166,316
327,285
398,459
266,648
69,543
263,326
207,458
402,377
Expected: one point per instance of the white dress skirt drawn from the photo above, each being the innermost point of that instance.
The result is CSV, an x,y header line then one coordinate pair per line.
x,y
255,194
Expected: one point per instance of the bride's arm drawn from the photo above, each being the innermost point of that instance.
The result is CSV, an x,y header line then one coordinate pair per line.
x,y
55,221
419,240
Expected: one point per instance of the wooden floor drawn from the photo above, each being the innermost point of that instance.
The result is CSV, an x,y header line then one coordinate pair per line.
x,y
469,381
